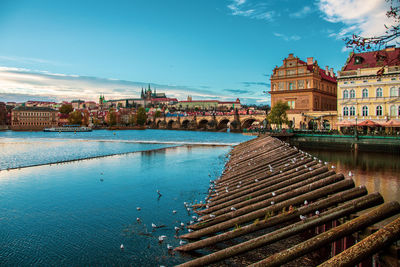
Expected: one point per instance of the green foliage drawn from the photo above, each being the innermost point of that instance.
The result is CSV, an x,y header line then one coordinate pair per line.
x,y
141,116
157,114
66,109
278,114
75,117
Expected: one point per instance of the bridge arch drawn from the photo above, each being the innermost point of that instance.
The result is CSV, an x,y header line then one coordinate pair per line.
x,y
223,124
170,124
248,122
185,124
202,124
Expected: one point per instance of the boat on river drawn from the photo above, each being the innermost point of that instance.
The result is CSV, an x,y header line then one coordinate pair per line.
x,y
68,128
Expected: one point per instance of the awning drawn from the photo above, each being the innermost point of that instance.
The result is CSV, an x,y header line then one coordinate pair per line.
x,y
369,123
391,123
345,123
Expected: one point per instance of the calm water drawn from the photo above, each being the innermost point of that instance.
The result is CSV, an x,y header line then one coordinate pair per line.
x,y
79,213
379,172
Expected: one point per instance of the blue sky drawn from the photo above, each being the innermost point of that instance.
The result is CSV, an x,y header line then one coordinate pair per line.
x,y
63,50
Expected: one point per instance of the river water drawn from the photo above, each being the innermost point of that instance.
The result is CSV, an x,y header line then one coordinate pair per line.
x,y
78,212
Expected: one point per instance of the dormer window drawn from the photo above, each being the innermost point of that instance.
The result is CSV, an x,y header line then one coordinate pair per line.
x,y
358,60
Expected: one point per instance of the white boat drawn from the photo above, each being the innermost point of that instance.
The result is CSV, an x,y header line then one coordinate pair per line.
x,y
68,128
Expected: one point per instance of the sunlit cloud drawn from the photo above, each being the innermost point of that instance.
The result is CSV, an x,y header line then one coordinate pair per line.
x,y
363,17
301,13
286,37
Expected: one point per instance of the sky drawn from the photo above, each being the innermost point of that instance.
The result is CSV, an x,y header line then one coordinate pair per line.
x,y
208,49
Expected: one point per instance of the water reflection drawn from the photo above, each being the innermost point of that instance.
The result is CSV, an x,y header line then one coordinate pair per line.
x,y
379,172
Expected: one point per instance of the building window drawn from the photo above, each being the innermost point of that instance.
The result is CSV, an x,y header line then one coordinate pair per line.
x,y
300,84
345,111
291,86
365,111
365,93
379,92
352,111
345,94
352,93
394,91
393,110
280,85
345,82
291,104
379,111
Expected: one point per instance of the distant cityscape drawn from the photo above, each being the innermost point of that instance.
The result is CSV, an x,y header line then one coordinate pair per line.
x,y
365,93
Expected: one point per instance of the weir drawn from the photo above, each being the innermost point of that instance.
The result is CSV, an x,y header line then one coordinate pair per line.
x,y
271,192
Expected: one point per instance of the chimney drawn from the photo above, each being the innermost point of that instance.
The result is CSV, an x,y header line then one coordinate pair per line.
x,y
331,72
310,60
327,70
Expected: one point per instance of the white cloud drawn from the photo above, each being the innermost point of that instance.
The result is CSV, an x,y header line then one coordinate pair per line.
x,y
364,17
301,13
250,10
20,84
287,38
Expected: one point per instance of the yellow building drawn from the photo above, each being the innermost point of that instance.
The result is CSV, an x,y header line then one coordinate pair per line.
x,y
368,89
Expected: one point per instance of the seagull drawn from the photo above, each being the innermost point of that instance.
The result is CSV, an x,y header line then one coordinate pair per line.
x,y
153,225
310,169
333,167
326,163
226,190
194,217
158,192
138,219
182,224
302,217
177,228
272,202
317,212
174,211
233,209
212,216
273,194
297,169
161,238
256,180
350,173
191,222
181,242
122,246
169,247
305,202
190,230
138,208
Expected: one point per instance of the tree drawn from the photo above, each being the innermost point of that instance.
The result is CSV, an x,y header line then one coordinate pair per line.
x,y
75,117
278,114
66,109
141,116
111,117
360,43
157,114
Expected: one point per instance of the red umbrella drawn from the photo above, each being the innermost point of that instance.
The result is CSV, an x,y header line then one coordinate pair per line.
x,y
345,123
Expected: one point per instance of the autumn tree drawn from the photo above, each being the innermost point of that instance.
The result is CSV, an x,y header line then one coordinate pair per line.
x,y
75,117
278,114
112,117
66,109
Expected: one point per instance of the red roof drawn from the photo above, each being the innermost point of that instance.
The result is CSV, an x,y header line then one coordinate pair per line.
x,y
164,99
321,72
199,101
386,57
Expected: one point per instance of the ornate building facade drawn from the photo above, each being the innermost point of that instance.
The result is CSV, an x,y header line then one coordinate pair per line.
x,y
307,89
33,118
369,88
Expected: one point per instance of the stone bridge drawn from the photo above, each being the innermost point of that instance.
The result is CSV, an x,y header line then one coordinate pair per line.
x,y
206,122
